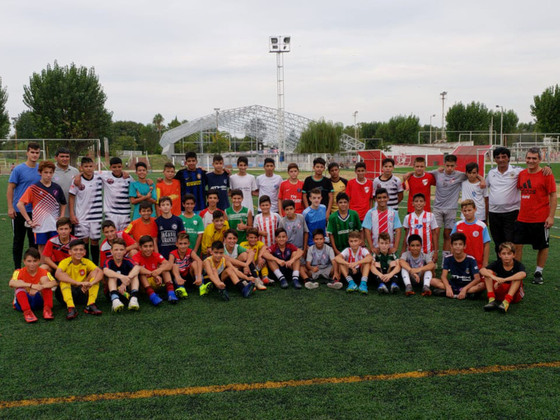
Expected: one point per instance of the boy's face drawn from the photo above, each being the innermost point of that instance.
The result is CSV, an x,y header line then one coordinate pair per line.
x,y
334,172
213,200
64,231
33,154
265,207
381,200
217,254
218,166
191,163
354,243
458,247
319,168
252,239
361,173
506,256
116,169
384,245
419,203
319,241
183,245
145,213
282,238
242,166
47,174
87,169
165,207
269,168
77,252
290,212
31,263
219,223
415,247
110,233
473,175
342,205
118,251
169,173
236,200
388,169
450,167
147,249
189,206
468,212
419,168
141,172
293,173
315,199
230,240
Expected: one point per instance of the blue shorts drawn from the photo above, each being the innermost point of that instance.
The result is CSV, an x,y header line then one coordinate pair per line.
x,y
43,237
35,302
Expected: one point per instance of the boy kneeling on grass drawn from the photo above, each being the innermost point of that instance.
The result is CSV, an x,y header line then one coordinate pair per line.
x,y
33,288
79,281
354,263
155,271
187,267
218,270
386,267
416,266
284,259
122,275
504,279
464,278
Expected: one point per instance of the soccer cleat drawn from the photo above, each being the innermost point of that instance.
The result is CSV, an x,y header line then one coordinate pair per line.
x,y
133,304
352,286
247,290
382,289
205,288
335,285
504,306
491,306
155,299
259,284
363,288
310,285
92,310
29,316
537,278
47,313
266,280
426,291
284,284
297,284
409,291
395,288
172,297
439,292
117,305
181,292
224,294
72,313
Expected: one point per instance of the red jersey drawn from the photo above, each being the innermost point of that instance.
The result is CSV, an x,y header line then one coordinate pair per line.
x,y
421,185
360,196
183,263
172,191
477,235
105,248
137,228
23,274
289,191
56,250
149,263
422,225
535,201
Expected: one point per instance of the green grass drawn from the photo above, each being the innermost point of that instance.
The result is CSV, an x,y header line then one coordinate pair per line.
x,y
282,335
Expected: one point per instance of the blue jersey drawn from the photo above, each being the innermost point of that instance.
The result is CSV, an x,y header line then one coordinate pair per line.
x,y
219,183
125,268
315,219
23,176
460,273
193,182
284,255
167,234
143,188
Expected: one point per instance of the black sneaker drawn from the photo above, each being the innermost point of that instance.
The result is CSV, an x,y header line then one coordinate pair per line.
x,y
224,294
92,310
491,306
537,278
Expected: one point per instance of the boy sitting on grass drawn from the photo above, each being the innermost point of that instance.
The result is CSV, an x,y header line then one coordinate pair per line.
x,y
33,288
283,259
354,263
187,267
416,266
320,262
504,279
154,271
386,267
219,270
57,248
258,248
122,277
460,277
79,281
241,259
214,232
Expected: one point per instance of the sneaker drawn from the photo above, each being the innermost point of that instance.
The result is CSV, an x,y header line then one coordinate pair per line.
x,y
537,278
117,305
363,288
382,289
309,285
29,316
266,280
133,304
284,284
491,306
47,313
224,294
72,313
426,291
352,286
439,292
172,297
335,285
504,306
155,299
259,284
409,291
297,284
395,288
247,290
205,288
92,310
181,292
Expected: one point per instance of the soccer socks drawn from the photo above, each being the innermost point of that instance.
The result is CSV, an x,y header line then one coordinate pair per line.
x,y
405,277
114,295
150,290
427,278
278,273
539,269
47,295
169,287
491,297
23,301
364,279
134,293
295,275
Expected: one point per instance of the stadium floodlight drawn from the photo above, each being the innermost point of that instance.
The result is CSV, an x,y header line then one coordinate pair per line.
x,y
280,44
501,124
431,116
443,114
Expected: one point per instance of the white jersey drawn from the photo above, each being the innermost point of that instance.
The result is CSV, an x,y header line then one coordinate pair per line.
x,y
268,225
115,194
247,184
503,196
393,186
422,225
270,185
470,191
88,205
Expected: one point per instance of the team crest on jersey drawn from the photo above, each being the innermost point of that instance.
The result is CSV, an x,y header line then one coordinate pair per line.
x,y
299,190
110,181
161,228
82,272
198,176
82,187
174,226
195,222
418,226
424,182
366,189
475,234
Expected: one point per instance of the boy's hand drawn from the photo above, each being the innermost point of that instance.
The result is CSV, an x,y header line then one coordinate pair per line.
x,y
261,262
435,257
158,280
150,182
122,289
462,294
314,269
281,263
198,281
241,226
449,292
74,220
416,277
86,286
289,264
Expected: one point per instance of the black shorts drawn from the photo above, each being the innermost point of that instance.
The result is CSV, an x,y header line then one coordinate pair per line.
x,y
534,234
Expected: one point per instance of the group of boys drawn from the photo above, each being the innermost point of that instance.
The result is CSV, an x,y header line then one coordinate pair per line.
x,y
199,230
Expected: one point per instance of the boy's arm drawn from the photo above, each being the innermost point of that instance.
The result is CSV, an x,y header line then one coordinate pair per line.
x,y
404,246
335,249
10,199
428,267
164,266
368,259
249,219
398,233
396,268
549,222
50,262
485,254
465,289
329,207
367,234
296,255
62,210
71,203
198,243
486,209
405,265
62,277
448,290
340,260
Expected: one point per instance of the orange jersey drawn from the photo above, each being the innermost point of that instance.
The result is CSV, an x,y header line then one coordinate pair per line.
x,y
172,191
23,274
137,228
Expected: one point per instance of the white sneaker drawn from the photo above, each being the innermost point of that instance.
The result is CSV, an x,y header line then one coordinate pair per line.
x,y
117,305
311,285
335,285
133,304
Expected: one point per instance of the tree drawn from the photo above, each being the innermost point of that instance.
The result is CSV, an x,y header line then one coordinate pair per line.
x,y
25,125
175,123
473,117
4,117
509,123
126,128
220,143
320,137
399,129
158,123
546,110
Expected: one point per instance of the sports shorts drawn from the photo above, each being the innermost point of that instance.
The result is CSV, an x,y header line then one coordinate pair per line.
x,y
445,218
534,234
91,230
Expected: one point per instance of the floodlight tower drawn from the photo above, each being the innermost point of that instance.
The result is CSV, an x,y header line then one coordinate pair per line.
x,y
355,114
443,114
501,124
279,45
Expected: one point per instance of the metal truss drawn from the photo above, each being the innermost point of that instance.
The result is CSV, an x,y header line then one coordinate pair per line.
x,y
350,143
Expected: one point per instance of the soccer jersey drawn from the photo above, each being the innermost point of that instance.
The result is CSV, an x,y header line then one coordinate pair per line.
x,y
56,250
415,262
385,260
193,227
212,235
46,202
324,184
420,185
141,188
220,266
315,219
257,247
167,234
247,184
498,268
219,183
477,235
23,177
470,191
340,227
105,248
421,224
296,229
207,217
138,228
267,224
150,263
23,274
193,182
77,272
460,273
503,195
535,196
360,195
338,187
321,258
172,191
393,185
351,256
269,185
283,254
289,191
183,262
382,221
65,178
125,267
448,187
237,217
115,194
235,252
88,203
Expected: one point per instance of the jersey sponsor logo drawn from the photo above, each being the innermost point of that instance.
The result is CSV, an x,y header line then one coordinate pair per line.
x,y
198,176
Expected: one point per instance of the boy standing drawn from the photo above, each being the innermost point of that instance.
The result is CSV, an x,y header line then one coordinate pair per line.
x,y
338,183
192,222
423,223
116,201
470,190
239,218
478,238
360,190
244,182
168,227
291,189
295,225
386,266
318,181
382,220
420,182
170,187
140,191
145,225
193,180
341,223
354,262
269,184
208,212
122,275
266,221
315,215
391,183
219,181
416,266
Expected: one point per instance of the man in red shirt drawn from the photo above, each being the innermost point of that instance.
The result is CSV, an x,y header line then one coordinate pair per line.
x,y
360,191
536,214
420,182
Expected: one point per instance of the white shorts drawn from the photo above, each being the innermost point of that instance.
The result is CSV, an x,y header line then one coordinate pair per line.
x,y
121,221
445,218
323,272
91,230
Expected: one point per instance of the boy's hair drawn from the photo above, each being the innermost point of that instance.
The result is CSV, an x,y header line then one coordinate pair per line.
x,y
315,191
381,191
189,196
168,165
384,236
86,159
217,158
236,192
75,243
115,161
217,245
450,158
46,164
501,151
182,236
253,231
318,231
242,159
212,191
33,145
319,161
33,253
62,151
418,195
140,165
288,203
189,155
359,165
264,199
144,205
279,231
118,241
388,160
218,214
269,160
471,166
333,165
459,236
145,239
419,159
63,221
292,166
355,234
108,223
342,196
510,246
164,199
412,238
468,202
231,232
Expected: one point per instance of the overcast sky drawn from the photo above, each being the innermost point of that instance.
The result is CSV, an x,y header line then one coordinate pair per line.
x,y
380,58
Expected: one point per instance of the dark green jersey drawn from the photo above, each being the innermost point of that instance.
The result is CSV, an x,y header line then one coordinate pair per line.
x,y
340,228
385,260
234,218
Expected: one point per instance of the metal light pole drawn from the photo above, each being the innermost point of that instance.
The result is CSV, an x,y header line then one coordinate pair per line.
x,y
443,115
15,120
217,116
279,45
355,125
431,116
501,124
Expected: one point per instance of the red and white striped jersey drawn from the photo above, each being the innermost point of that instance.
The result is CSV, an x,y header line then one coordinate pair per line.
x,y
268,224
350,256
422,225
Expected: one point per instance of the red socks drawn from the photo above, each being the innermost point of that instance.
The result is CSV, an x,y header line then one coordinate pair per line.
x,y
21,298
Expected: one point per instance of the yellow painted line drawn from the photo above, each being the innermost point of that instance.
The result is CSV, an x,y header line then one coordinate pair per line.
x,y
214,389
